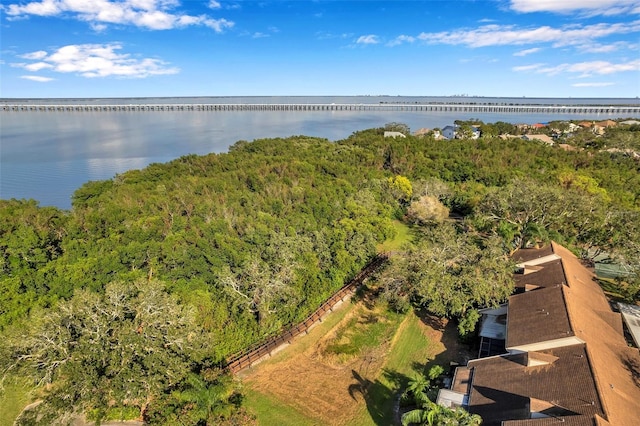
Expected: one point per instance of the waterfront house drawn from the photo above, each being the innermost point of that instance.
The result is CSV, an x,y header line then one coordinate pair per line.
x,y
451,132
607,123
539,137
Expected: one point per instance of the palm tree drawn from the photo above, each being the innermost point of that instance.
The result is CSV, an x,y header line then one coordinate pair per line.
x,y
429,413
462,417
432,414
207,401
418,385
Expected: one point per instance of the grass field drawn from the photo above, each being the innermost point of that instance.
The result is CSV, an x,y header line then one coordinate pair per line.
x,y
402,238
349,370
415,348
13,399
271,411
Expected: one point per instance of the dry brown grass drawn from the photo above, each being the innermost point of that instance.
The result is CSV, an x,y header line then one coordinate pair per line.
x,y
329,389
317,383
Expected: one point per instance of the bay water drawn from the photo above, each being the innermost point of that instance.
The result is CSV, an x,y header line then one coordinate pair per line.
x,y
47,155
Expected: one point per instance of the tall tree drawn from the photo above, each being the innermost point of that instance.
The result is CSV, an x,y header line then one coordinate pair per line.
x,y
128,347
451,273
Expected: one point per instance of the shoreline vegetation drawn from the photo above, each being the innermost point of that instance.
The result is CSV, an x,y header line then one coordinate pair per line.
x,y
238,245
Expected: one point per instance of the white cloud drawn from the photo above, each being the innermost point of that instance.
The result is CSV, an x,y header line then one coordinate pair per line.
x,y
322,35
97,60
531,67
401,39
585,69
218,25
213,4
527,51
37,66
607,48
40,54
368,39
259,35
602,67
98,27
43,8
602,84
497,35
150,14
591,7
37,78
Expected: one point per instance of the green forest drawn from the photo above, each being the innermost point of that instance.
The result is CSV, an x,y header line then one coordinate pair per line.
x,y
128,305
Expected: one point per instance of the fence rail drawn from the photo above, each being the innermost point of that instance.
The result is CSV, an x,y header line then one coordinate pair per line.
x,y
240,361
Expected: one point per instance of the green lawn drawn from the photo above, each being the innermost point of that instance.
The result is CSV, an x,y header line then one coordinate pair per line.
x,y
273,412
13,399
369,330
403,237
409,354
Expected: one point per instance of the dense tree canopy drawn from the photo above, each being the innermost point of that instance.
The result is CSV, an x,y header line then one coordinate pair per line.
x,y
251,240
129,347
451,273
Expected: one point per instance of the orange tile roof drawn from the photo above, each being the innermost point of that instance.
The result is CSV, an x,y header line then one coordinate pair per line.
x,y
616,366
606,372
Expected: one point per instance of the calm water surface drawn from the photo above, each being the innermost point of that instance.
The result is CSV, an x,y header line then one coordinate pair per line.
x,y
48,155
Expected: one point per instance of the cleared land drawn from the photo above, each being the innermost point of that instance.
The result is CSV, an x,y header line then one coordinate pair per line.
x,y
349,369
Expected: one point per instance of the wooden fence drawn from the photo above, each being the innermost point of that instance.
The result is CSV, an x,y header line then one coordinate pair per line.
x,y
248,357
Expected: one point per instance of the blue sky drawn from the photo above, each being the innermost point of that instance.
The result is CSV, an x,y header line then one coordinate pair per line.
x,y
131,48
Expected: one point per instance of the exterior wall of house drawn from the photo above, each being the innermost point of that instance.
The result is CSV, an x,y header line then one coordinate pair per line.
x,y
449,132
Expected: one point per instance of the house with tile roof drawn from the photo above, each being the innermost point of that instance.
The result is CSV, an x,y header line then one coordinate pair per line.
x,y
539,137
566,358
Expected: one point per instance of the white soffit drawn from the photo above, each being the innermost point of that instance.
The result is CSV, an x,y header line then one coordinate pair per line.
x,y
631,315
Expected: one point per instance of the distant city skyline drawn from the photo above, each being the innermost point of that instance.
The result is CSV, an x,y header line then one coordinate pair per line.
x,y
165,48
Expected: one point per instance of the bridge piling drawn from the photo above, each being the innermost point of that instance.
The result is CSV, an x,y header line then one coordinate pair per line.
x,y
619,110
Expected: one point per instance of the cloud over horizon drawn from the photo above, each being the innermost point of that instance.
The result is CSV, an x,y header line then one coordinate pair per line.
x,y
93,60
585,69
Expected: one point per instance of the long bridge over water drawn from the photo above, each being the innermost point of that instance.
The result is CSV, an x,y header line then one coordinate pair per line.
x,y
617,110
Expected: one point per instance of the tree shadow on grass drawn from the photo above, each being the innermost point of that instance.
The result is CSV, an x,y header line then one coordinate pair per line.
x,y
381,399
455,350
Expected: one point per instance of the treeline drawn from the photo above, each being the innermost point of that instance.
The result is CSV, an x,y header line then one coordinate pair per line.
x,y
254,239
